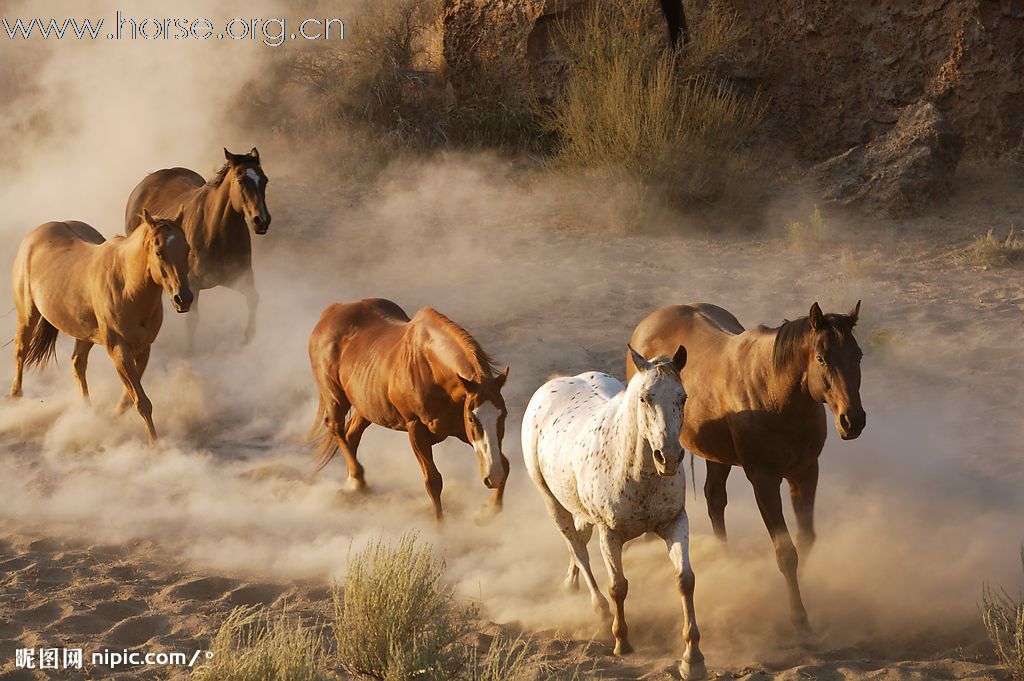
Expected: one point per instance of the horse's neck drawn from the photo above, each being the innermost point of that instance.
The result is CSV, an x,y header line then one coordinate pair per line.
x,y
217,215
131,259
626,448
444,350
786,385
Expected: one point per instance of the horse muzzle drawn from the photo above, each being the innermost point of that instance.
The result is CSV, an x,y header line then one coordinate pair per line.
x,y
182,301
850,424
667,465
260,223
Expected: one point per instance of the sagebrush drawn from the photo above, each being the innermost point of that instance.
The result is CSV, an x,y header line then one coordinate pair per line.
x,y
631,102
396,620
258,645
1003,615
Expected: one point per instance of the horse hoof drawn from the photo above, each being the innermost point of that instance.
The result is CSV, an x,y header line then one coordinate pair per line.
x,y
623,648
692,671
352,487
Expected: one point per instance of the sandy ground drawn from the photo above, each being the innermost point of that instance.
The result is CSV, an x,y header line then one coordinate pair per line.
x,y
108,544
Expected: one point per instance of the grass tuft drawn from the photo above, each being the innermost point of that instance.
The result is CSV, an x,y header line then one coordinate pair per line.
x,y
394,618
254,645
992,251
1004,619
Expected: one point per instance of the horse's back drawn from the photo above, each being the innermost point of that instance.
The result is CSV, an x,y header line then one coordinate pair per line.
x,y
162,193
561,408
702,328
351,348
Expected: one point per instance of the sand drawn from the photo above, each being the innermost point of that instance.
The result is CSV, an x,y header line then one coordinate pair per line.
x,y
106,543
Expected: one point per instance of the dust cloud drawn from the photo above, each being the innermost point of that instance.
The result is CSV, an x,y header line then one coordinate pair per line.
x,y
912,517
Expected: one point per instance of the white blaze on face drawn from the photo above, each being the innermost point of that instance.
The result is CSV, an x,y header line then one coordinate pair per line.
x,y
488,447
253,176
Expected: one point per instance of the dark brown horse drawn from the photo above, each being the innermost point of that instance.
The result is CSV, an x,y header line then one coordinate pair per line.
x,y
425,375
218,216
756,400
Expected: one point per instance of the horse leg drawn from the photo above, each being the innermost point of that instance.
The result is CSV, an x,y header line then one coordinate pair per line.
x,y
124,362
572,578
22,339
802,488
422,446
337,408
618,587
497,498
246,285
192,322
141,362
769,501
354,429
79,362
716,495
677,539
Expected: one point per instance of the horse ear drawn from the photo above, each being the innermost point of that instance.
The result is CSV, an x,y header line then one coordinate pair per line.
x,y
679,359
254,153
181,214
146,217
470,385
500,379
816,316
639,362
854,313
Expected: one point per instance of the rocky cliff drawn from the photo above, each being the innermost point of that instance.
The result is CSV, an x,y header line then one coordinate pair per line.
x,y
837,72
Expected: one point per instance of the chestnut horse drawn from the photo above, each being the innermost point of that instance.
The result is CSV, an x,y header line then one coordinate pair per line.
x,y
425,375
218,216
756,401
68,278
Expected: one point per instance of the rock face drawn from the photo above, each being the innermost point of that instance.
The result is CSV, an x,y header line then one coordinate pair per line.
x,y
837,73
900,173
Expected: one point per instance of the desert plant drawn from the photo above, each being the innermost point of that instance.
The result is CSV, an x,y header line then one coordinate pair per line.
x,y
395,619
255,645
810,234
1004,619
632,103
992,251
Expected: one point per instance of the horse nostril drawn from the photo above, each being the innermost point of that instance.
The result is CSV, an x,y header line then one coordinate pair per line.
x,y
844,420
488,483
659,456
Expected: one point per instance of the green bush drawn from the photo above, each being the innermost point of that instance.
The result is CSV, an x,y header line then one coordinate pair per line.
x,y
396,620
253,645
1004,619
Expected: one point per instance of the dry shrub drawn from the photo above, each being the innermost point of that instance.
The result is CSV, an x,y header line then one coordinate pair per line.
x,y
396,620
385,82
991,251
632,103
1004,619
808,235
253,645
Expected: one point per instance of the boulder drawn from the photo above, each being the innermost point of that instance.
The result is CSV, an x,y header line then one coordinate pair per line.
x,y
900,173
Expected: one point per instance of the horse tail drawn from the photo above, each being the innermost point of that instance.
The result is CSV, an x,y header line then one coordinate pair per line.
x,y
42,348
321,436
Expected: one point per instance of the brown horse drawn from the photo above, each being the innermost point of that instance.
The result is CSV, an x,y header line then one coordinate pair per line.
x,y
425,375
68,278
755,400
218,216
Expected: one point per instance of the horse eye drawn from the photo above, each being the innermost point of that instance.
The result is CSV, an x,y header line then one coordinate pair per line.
x,y
159,253
821,360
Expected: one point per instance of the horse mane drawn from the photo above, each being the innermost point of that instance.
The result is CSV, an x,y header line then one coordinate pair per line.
x,y
791,335
217,179
483,360
789,340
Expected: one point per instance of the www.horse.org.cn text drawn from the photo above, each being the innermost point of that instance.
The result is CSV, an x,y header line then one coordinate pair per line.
x,y
270,32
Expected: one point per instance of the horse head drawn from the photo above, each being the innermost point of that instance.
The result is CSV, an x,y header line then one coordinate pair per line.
x,y
660,397
248,189
833,368
167,249
484,415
